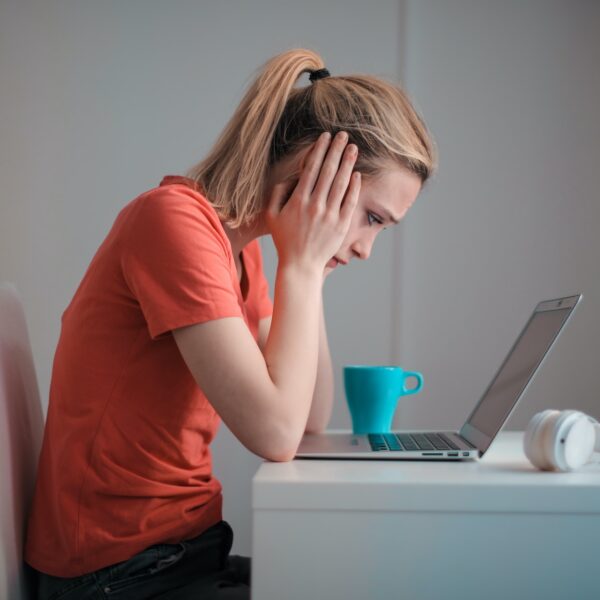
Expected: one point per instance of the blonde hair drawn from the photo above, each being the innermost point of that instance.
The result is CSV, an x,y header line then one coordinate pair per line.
x,y
276,119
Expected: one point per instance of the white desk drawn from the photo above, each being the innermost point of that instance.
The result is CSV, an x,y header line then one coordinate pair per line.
x,y
366,530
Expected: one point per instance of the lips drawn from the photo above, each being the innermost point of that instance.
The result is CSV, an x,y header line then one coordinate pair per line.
x,y
334,262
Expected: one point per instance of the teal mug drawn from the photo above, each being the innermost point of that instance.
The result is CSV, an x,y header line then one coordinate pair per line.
x,y
372,394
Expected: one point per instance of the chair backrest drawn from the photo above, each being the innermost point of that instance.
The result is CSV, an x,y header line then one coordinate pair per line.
x,y
21,430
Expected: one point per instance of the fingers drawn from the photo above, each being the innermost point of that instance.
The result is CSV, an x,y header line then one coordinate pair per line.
x,y
350,200
329,169
311,171
325,179
342,179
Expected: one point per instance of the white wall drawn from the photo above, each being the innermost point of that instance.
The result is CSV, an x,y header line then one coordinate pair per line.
x,y
511,91
98,100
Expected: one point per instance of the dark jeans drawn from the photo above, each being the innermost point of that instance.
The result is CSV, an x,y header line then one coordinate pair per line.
x,y
199,568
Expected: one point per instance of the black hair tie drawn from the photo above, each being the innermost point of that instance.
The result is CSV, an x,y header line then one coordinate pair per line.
x,y
319,74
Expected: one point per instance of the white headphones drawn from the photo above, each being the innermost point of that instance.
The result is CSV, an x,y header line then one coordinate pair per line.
x,y
561,440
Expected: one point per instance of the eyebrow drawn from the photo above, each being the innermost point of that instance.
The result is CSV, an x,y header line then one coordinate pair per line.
x,y
387,215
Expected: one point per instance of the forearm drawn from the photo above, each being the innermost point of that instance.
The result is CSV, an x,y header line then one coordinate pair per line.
x,y
292,348
323,396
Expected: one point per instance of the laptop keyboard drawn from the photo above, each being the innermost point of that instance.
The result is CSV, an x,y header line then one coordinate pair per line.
x,y
410,441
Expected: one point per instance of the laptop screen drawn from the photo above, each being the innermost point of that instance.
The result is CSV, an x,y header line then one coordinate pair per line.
x,y
518,368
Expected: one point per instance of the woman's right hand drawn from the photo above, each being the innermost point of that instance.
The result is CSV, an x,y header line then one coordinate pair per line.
x,y
310,227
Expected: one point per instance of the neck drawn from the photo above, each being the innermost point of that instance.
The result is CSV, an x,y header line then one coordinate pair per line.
x,y
242,236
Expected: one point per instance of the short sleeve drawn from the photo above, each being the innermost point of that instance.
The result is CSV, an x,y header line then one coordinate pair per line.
x,y
176,260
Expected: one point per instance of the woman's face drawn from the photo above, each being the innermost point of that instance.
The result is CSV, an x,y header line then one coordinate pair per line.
x,y
382,202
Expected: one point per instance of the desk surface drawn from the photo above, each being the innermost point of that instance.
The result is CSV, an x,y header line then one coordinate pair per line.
x,y
503,480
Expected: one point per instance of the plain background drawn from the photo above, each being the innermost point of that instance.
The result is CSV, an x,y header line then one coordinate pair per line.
x,y
99,100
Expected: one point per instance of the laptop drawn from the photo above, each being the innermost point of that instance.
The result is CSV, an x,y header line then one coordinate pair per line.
x,y
485,421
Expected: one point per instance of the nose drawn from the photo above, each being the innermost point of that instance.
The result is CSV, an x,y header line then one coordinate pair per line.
x,y
362,247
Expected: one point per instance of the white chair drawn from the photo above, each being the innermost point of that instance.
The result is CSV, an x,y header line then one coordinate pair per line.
x,y
21,430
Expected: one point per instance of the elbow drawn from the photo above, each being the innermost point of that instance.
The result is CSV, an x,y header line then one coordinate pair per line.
x,y
283,453
283,447
278,437
274,454
283,457
286,452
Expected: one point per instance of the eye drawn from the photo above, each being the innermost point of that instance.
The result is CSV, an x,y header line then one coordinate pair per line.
x,y
373,218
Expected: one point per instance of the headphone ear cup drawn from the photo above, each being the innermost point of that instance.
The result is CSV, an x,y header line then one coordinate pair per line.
x,y
561,432
576,445
557,429
546,438
532,441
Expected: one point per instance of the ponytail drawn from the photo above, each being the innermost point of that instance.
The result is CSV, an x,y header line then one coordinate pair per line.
x,y
234,173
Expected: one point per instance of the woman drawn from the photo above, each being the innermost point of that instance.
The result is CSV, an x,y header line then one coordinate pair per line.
x,y
172,330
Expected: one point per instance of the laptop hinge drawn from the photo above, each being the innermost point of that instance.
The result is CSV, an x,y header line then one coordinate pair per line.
x,y
476,438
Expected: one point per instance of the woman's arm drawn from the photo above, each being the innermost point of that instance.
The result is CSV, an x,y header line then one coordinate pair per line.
x,y
265,397
323,395
322,402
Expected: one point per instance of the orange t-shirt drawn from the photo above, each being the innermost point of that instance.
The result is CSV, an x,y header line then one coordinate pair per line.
x,y
125,461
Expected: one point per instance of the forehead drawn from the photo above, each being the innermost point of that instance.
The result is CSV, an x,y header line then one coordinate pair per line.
x,y
395,188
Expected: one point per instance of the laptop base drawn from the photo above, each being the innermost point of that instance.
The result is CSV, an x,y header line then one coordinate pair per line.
x,y
349,446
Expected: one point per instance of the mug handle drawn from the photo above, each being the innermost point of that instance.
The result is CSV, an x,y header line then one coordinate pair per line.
x,y
419,379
